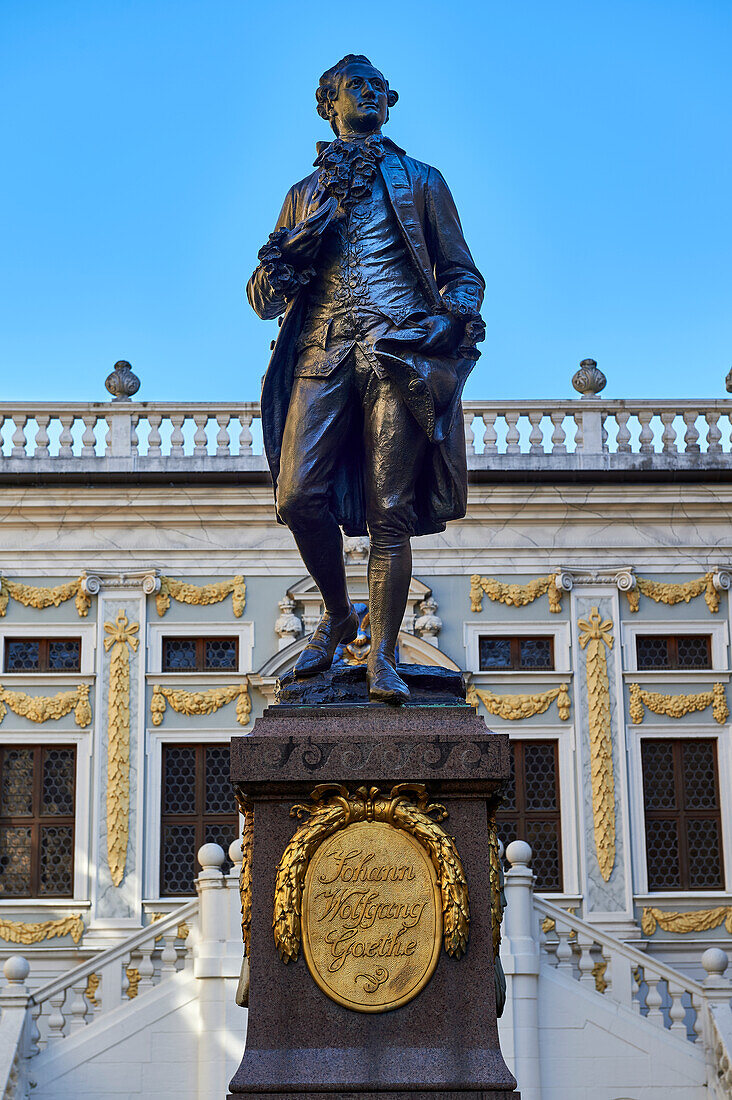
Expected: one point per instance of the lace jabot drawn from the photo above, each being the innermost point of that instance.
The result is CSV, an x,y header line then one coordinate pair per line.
x,y
348,168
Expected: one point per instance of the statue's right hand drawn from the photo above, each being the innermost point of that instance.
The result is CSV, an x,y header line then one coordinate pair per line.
x,y
303,241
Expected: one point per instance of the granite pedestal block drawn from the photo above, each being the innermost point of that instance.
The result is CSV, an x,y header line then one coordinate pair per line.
x,y
443,1044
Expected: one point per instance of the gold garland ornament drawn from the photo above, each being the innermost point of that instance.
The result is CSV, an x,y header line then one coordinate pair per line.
x,y
333,809
121,638
15,931
201,595
516,707
497,897
33,596
245,875
676,706
671,594
201,702
515,595
595,637
42,708
700,920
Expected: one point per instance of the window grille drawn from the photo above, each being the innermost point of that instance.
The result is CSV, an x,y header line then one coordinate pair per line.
x,y
37,807
198,808
678,651
527,653
531,809
682,814
42,654
202,654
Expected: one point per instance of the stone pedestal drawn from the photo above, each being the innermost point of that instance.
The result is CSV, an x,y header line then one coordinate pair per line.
x,y
443,1043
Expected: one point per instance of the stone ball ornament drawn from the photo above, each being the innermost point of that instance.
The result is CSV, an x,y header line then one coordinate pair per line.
x,y
16,969
211,856
715,961
589,379
122,383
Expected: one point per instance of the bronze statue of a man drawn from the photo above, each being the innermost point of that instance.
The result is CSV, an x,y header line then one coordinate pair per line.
x,y
361,411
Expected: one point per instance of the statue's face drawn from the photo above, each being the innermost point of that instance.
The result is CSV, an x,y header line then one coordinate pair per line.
x,y
361,104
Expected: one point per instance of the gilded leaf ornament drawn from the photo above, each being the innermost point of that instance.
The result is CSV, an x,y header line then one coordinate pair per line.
x,y
42,708
514,595
497,895
201,595
15,931
698,920
676,706
405,807
596,638
201,702
121,637
671,594
245,875
515,707
34,596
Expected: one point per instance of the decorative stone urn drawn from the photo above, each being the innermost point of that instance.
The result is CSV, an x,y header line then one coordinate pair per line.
x,y
122,383
589,379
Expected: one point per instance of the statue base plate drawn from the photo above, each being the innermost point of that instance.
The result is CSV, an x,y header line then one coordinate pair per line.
x,y
419,1094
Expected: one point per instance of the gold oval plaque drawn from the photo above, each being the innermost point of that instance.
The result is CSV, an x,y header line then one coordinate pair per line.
x,y
371,917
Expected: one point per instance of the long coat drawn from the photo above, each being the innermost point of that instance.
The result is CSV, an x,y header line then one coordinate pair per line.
x,y
431,387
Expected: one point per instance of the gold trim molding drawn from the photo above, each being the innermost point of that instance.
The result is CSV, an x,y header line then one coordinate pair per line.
x,y
671,594
201,595
596,637
15,931
201,702
676,706
333,809
43,708
515,707
133,981
698,920
121,638
34,596
515,595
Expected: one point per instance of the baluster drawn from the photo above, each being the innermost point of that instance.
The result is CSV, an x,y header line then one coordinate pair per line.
x,y
635,989
468,418
646,433
146,967
34,1032
579,437
66,439
536,435
108,444
559,436
714,434
56,1019
677,1012
78,1007
668,437
697,1024
654,1000
691,436
245,437
169,954
89,439
564,951
19,440
513,436
2,449
586,963
623,437
134,441
176,436
154,439
200,439
490,435
42,437
223,443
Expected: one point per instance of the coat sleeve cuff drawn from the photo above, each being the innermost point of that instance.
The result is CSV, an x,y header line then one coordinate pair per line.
x,y
281,275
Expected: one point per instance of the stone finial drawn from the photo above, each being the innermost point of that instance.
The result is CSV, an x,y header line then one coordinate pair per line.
x,y
287,625
518,853
589,379
356,548
16,969
728,382
429,623
235,853
211,856
122,383
715,961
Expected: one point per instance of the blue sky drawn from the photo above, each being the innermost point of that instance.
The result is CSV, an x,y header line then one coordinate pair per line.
x,y
149,143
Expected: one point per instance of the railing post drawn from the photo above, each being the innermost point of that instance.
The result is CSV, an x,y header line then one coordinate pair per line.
x,y
521,964
717,1030
239,965
208,964
120,434
14,1009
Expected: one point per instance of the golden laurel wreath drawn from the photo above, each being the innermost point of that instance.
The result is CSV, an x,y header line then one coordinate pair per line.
x,y
333,809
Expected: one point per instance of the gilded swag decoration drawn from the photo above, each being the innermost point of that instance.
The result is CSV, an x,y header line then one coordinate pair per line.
x,y
515,595
121,637
42,708
515,707
201,702
15,931
698,920
671,594
35,596
201,595
596,638
676,706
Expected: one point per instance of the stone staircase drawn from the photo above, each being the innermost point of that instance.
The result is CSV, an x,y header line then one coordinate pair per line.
x,y
588,1017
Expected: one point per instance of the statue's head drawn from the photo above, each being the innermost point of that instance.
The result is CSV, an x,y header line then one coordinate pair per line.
x,y
354,96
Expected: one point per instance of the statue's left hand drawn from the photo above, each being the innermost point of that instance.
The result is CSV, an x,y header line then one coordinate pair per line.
x,y
442,333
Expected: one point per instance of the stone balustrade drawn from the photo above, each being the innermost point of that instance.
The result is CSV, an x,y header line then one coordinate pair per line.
x,y
589,433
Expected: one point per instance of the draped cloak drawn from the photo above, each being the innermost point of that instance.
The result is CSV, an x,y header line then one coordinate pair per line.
x,y
431,385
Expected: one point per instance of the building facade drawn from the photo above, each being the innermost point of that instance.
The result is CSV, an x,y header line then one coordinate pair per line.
x,y
149,602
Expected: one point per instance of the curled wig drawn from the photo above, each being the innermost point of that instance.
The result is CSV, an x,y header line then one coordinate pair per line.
x,y
327,89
